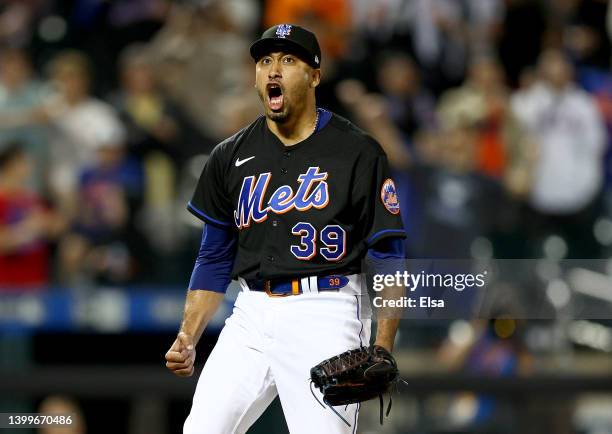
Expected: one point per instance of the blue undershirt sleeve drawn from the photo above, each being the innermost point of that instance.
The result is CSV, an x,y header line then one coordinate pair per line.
x,y
387,256
213,266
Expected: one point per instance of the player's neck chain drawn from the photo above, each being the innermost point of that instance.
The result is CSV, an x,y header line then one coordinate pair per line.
x,y
316,124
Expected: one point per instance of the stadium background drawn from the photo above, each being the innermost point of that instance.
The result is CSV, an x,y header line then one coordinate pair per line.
x,y
107,112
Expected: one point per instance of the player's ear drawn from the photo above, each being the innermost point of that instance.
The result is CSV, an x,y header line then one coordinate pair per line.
x,y
315,77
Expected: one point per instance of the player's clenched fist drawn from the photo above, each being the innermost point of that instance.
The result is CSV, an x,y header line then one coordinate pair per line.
x,y
181,355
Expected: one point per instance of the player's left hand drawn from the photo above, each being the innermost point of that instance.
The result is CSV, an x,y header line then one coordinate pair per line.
x,y
180,358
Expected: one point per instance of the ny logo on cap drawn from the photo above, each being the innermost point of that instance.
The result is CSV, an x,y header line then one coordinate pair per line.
x,y
283,30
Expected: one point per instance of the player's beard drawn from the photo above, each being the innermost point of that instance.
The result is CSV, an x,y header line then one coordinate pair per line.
x,y
281,116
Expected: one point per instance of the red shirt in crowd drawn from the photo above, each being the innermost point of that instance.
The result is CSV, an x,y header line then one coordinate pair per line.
x,y
27,266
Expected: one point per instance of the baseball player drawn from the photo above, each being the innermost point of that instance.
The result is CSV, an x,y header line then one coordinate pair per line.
x,y
292,204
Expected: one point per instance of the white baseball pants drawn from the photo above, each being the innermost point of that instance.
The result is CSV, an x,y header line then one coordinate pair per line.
x,y
267,348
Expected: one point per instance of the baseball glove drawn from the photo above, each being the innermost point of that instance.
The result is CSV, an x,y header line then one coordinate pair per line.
x,y
355,376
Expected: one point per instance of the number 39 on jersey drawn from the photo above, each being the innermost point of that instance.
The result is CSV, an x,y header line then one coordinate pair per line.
x,y
333,238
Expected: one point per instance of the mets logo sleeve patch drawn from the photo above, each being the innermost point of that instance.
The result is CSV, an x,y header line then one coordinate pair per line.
x,y
311,208
375,194
388,195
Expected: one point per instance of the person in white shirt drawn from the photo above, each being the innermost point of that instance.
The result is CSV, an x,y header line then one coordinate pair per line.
x,y
80,124
569,133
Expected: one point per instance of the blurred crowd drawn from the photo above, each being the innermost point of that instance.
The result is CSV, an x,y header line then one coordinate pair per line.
x,y
496,116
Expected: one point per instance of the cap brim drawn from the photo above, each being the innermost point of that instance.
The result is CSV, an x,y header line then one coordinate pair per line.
x,y
270,45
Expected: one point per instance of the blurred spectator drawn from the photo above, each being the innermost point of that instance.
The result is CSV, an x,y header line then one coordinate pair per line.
x,y
378,26
62,406
599,84
485,22
26,225
160,136
20,98
149,118
122,23
411,107
568,174
378,18
102,241
523,26
581,29
186,59
495,348
154,122
483,101
451,207
16,21
81,123
440,40
372,113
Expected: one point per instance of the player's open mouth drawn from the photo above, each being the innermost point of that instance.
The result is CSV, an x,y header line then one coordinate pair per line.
x,y
275,96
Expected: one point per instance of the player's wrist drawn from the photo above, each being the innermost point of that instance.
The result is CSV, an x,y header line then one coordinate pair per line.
x,y
384,344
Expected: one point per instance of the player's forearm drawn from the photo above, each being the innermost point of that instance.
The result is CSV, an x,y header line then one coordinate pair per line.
x,y
385,333
388,317
200,307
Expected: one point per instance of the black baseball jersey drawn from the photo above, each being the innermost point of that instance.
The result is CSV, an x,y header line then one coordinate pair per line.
x,y
313,208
